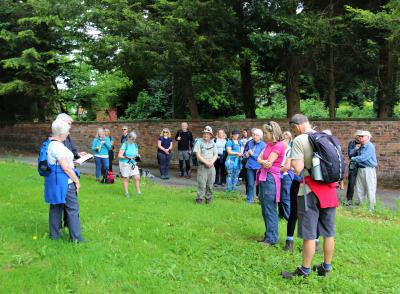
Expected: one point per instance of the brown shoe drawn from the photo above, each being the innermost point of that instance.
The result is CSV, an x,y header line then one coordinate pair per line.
x,y
297,273
288,246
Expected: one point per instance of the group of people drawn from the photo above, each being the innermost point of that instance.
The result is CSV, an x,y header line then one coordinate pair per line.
x,y
362,169
275,164
279,166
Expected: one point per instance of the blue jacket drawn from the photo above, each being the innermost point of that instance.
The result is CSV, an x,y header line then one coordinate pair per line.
x,y
104,148
257,149
366,156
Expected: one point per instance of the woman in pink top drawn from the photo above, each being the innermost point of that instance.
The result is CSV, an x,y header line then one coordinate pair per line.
x,y
268,177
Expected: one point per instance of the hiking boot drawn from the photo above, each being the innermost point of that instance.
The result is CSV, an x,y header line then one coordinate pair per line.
x,y
199,201
208,201
267,244
321,270
288,246
297,273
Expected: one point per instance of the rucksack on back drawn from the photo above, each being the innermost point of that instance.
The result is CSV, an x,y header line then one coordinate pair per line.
x,y
43,166
327,149
195,162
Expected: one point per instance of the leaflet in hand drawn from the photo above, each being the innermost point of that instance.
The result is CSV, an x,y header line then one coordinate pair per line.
x,y
84,158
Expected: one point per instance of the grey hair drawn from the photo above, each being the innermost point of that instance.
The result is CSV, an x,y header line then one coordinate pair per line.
x,y
64,117
60,127
99,130
132,136
258,132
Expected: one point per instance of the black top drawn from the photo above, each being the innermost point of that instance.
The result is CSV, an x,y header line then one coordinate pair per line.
x,y
124,139
186,141
71,146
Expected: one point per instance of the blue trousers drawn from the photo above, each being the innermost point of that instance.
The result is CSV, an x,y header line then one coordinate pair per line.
x,y
268,209
72,213
164,160
286,183
102,164
232,166
251,179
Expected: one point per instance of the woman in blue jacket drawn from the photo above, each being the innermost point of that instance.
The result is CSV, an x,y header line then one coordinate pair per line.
x,y
101,145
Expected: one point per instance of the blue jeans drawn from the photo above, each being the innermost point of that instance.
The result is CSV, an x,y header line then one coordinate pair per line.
x,y
268,209
251,178
232,165
286,183
102,164
164,160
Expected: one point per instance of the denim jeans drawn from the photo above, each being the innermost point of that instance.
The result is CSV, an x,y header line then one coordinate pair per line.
x,y
286,183
102,164
232,166
164,160
268,209
251,179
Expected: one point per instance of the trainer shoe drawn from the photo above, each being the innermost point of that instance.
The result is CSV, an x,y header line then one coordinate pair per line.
x,y
297,273
127,195
321,270
199,201
208,200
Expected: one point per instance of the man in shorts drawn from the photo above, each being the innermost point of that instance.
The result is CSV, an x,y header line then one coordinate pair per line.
x,y
317,203
185,147
206,153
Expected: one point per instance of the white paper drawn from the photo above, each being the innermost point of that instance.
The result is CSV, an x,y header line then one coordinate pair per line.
x,y
84,158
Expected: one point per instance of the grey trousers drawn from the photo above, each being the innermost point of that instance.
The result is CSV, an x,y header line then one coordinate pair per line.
x,y
72,212
366,186
205,181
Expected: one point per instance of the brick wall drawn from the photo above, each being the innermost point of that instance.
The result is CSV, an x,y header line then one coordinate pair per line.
x,y
28,137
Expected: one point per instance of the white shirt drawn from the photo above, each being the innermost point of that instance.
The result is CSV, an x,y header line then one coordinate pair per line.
x,y
220,145
57,151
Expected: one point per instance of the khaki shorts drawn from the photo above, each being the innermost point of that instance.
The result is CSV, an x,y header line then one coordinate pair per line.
x,y
127,170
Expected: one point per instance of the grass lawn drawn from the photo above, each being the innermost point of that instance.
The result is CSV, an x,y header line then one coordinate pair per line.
x,y
162,242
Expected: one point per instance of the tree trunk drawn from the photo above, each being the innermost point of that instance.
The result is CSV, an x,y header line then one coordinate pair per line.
x,y
183,96
331,84
247,88
386,80
292,88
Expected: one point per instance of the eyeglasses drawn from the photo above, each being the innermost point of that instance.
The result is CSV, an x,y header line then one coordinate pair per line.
x,y
165,132
124,129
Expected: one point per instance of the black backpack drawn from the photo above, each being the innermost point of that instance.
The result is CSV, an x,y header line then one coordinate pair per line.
x,y
327,148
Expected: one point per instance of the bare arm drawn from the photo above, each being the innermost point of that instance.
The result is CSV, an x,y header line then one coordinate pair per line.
x,y
287,166
70,172
161,147
297,165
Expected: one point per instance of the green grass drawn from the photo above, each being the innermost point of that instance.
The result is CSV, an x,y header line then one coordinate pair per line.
x,y
163,243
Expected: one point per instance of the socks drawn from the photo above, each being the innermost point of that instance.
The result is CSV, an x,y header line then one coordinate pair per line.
x,y
305,269
289,238
327,266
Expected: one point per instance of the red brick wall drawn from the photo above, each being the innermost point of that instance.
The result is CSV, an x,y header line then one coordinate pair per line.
x,y
28,137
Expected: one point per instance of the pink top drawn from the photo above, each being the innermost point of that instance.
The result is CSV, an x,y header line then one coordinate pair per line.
x,y
274,170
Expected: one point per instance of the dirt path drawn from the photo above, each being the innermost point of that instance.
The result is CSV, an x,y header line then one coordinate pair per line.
x,y
388,197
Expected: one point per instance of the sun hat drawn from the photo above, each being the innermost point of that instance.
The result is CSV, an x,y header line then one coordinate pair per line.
x,y
208,129
363,133
235,132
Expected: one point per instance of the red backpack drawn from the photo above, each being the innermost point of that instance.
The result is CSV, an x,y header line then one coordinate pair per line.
x,y
108,178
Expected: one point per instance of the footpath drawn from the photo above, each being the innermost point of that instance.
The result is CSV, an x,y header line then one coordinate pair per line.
x,y
388,197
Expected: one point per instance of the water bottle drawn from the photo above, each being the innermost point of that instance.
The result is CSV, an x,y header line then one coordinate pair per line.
x,y
316,169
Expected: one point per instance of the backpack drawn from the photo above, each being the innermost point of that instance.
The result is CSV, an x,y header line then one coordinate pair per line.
x,y
108,177
195,162
327,150
43,166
